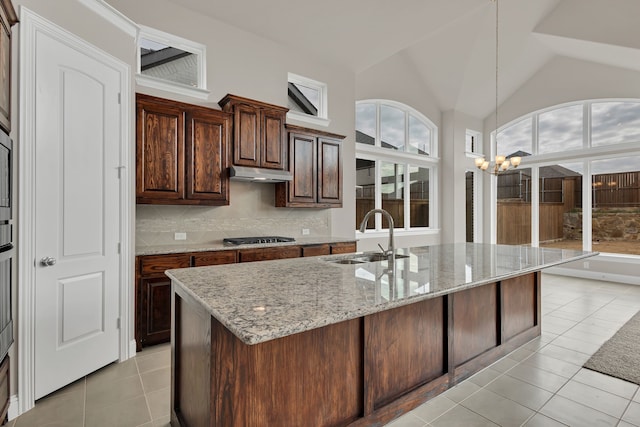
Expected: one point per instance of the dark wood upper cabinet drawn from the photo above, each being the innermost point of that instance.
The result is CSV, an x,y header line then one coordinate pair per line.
x,y
259,138
181,153
8,18
315,160
206,156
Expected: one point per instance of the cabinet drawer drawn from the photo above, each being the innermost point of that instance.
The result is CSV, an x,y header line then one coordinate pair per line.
x,y
266,254
214,258
343,248
157,264
315,250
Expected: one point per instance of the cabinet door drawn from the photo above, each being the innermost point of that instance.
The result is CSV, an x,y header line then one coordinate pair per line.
x,y
303,166
246,136
274,141
160,152
155,316
329,172
266,254
206,157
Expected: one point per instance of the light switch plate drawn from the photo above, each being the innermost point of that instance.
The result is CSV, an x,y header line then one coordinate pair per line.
x,y
305,231
180,236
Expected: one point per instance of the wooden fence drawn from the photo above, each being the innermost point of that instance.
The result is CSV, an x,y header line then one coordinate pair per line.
x,y
514,222
418,209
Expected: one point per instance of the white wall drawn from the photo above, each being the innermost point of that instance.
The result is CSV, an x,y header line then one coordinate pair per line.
x,y
244,64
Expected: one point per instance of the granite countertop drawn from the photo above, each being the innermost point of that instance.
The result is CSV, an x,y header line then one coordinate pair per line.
x,y
266,300
218,245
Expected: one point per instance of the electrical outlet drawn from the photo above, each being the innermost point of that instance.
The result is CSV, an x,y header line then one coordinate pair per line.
x,y
180,236
305,231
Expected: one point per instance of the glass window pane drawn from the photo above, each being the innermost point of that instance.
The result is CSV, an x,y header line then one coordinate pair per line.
x,y
392,189
303,99
392,128
560,130
515,139
366,124
615,123
419,196
169,63
615,210
560,211
469,192
514,207
419,137
365,190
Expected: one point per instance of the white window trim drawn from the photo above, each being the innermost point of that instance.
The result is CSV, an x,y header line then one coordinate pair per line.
x,y
379,154
586,155
198,49
322,119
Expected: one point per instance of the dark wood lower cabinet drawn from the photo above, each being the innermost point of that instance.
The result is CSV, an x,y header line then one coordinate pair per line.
x,y
360,372
4,388
153,288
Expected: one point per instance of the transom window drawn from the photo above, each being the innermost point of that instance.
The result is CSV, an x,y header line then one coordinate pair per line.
x,y
396,165
307,100
171,63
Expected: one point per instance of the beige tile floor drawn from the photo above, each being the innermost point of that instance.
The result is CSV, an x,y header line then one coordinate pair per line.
x,y
540,384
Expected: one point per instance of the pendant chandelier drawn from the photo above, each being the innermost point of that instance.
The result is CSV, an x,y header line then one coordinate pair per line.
x,y
501,163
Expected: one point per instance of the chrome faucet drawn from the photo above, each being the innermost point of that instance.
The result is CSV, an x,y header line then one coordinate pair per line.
x,y
390,252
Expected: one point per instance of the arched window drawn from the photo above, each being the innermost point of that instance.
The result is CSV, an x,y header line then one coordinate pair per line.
x,y
396,164
578,186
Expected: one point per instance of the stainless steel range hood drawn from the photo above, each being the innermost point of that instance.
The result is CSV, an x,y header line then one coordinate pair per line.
x,y
243,173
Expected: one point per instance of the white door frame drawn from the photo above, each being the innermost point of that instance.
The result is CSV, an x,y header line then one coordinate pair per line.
x,y
30,25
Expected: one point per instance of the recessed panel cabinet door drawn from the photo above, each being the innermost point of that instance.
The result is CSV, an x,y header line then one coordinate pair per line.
x,y
160,150
274,154
302,149
206,161
247,136
329,171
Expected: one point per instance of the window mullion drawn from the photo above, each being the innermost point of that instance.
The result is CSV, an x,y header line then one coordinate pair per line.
x,y
407,196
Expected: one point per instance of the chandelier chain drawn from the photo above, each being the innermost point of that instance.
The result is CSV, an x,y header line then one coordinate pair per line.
x,y
497,46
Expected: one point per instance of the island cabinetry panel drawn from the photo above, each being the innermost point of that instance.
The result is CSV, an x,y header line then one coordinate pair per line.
x,y
297,380
405,349
267,254
181,153
519,305
475,322
360,372
259,138
315,161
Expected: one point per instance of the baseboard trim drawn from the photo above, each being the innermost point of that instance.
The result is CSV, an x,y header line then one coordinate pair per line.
x,y
14,407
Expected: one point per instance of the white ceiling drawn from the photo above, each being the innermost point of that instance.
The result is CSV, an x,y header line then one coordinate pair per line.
x,y
451,43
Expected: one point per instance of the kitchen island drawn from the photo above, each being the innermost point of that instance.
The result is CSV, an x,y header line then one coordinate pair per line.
x,y
334,340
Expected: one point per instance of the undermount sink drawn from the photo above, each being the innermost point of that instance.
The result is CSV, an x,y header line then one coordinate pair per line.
x,y
363,258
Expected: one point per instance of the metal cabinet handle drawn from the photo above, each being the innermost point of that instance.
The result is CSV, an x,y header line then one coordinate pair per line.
x,y
47,261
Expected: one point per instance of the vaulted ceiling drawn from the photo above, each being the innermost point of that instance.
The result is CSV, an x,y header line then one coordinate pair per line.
x,y
451,43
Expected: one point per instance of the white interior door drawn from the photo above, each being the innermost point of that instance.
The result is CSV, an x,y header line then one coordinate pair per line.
x,y
77,152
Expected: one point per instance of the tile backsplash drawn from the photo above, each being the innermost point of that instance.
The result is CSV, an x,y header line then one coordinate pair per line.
x,y
250,213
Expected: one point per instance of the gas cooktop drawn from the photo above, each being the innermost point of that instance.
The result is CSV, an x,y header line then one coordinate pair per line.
x,y
258,239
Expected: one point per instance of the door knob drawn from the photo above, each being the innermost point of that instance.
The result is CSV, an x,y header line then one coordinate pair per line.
x,y
47,261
